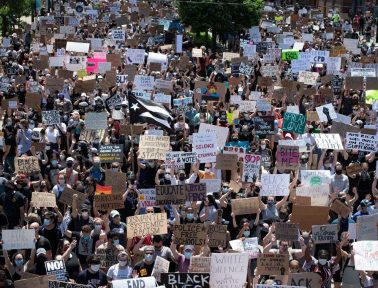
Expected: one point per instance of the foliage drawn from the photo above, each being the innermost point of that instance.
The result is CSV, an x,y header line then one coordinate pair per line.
x,y
12,10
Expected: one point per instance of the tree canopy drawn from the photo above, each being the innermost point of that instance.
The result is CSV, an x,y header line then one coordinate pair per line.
x,y
12,10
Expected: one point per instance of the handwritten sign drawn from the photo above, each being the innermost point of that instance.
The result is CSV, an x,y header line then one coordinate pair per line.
x,y
287,157
264,125
95,121
67,196
294,123
361,142
43,199
147,197
226,161
57,268
287,231
161,265
315,177
185,280
275,184
308,78
111,153
142,225
18,239
200,264
153,147
204,146
245,206
190,234
273,264
324,233
366,227
109,202
365,258
328,141
26,165
217,235
50,117
311,279
195,192
251,167
170,194
145,282
319,193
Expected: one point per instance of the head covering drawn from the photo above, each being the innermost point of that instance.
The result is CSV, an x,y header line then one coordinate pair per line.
x,y
114,213
41,251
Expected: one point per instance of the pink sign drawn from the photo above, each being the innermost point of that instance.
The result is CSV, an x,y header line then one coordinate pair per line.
x,y
92,64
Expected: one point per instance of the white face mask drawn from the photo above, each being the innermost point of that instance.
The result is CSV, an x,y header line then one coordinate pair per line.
x,y
207,170
323,261
61,182
263,147
167,177
62,157
122,263
95,268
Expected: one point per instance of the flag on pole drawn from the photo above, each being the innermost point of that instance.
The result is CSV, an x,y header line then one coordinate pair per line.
x,y
147,111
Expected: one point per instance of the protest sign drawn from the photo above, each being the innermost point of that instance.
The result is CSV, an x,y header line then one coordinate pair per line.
x,y
117,180
212,185
275,184
263,105
326,112
50,117
142,225
245,206
190,234
264,125
111,153
278,286
340,208
288,55
307,216
18,239
251,246
271,264
109,202
43,199
57,268
67,196
306,279
319,193
77,47
228,269
315,177
324,233
294,123
170,194
147,197
287,157
251,167
361,142
287,231
108,257
62,284
365,255
308,78
121,80
145,282
25,165
367,227
153,147
200,264
35,282
204,146
135,56
221,133
95,121
180,158
161,265
226,161
217,235
328,141
185,280
195,192
118,34
237,245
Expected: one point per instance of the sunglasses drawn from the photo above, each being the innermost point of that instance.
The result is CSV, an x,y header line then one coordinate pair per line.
x,y
84,210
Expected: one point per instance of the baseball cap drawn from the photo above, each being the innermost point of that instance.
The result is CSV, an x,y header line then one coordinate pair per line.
x,y
70,159
365,203
114,213
41,251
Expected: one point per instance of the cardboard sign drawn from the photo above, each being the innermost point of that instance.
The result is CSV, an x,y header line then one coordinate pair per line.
x,y
121,80
226,161
361,142
366,228
95,121
135,56
264,125
326,113
190,234
307,216
67,196
228,268
328,141
319,194
185,280
209,91
50,117
195,192
43,199
275,184
353,169
340,208
342,129
111,153
57,268
109,202
146,224
26,165
161,265
294,123
170,194
251,167
145,282
324,233
273,264
180,158
147,197
364,255
117,180
204,146
308,78
245,206
306,279
217,235
212,185
287,157
61,284
287,231
18,239
221,133
108,257
200,264
144,82
35,282
315,177
153,147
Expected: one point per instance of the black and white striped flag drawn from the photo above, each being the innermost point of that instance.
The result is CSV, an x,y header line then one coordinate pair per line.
x,y
147,111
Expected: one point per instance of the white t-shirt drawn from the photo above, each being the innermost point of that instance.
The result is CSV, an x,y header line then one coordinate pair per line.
x,y
52,135
116,274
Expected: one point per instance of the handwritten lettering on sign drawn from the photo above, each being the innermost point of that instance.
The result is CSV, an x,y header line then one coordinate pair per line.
x,y
142,225
287,157
153,147
294,123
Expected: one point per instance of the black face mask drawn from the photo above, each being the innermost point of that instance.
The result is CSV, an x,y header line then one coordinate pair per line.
x,y
69,164
9,190
338,172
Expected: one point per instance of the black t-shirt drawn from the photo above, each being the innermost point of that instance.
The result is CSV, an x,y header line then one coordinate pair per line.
x,y
77,223
43,242
72,266
94,279
143,269
11,205
53,235
10,141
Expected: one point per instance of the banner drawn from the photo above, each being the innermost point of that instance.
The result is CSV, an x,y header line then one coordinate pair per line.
x,y
190,234
275,184
204,146
153,147
170,194
251,167
294,123
361,142
142,225
185,280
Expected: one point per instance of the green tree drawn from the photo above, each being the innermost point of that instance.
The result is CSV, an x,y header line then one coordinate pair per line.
x,y
11,12
221,16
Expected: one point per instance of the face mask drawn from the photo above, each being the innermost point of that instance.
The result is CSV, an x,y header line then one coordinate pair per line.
x,y
19,262
322,262
182,178
225,190
54,162
84,214
69,164
95,268
188,255
207,170
167,177
304,161
189,216
115,169
263,147
98,227
116,242
148,257
62,157
61,182
338,172
46,222
270,203
246,233
122,263
86,237
31,126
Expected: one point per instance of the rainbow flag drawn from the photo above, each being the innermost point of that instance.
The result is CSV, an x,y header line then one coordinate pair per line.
x,y
103,190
